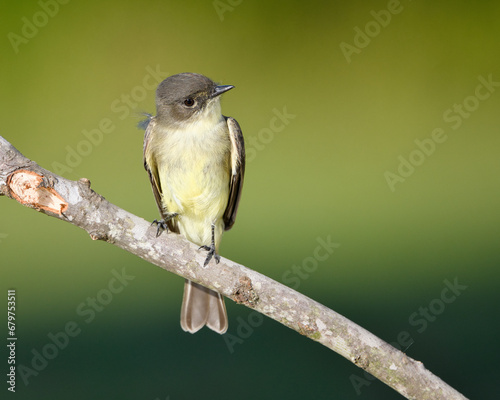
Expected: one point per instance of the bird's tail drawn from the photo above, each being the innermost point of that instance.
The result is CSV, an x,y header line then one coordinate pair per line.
x,y
202,306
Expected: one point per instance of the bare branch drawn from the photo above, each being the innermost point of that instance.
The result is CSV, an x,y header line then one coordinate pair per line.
x,y
75,202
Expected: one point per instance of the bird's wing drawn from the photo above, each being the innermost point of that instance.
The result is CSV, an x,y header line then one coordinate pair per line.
x,y
237,172
152,169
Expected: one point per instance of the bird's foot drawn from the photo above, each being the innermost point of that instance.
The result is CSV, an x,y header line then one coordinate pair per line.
x,y
211,253
211,250
162,223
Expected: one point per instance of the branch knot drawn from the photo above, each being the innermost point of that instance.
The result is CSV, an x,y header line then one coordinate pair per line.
x,y
244,293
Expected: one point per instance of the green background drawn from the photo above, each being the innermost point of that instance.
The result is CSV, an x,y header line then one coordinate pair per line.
x,y
321,176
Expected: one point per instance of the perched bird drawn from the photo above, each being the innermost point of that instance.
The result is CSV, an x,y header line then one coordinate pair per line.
x,y
195,158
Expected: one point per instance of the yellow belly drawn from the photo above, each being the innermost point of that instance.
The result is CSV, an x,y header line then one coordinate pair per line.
x,y
194,172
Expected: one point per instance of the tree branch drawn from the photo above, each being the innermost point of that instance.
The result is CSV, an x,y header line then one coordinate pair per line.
x,y
32,186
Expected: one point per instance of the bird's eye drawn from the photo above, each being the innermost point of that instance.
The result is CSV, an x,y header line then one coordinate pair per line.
x,y
189,102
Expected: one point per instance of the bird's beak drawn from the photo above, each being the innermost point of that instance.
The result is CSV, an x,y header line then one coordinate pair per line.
x,y
218,90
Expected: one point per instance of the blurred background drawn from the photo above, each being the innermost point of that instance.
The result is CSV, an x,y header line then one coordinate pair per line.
x,y
338,103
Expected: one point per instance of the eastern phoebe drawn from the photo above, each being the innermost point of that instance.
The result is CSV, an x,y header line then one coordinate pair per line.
x,y
195,158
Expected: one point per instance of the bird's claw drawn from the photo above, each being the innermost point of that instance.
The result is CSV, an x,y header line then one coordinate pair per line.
x,y
211,253
162,223
161,226
211,250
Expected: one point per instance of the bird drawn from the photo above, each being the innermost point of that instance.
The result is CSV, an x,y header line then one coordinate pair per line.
x,y
195,159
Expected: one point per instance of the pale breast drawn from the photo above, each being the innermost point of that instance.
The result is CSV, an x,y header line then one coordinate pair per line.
x,y
194,171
